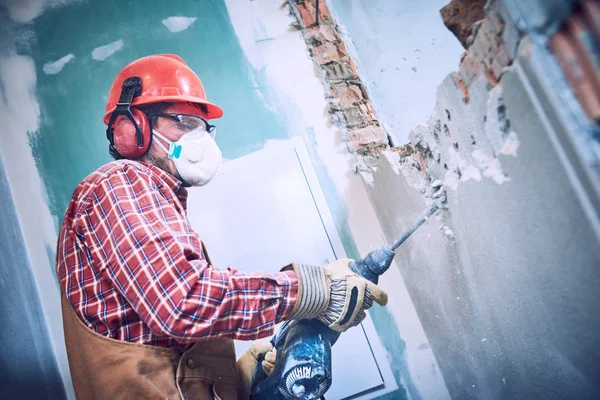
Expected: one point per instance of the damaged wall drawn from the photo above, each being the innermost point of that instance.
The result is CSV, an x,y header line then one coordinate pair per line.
x,y
504,281
404,51
56,72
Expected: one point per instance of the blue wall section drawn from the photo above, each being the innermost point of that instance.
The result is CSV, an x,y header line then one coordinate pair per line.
x,y
28,368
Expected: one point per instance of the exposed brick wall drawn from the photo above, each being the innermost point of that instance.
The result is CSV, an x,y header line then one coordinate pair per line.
x,y
349,105
487,54
436,151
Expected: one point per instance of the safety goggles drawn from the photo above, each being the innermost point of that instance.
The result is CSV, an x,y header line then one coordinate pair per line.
x,y
187,122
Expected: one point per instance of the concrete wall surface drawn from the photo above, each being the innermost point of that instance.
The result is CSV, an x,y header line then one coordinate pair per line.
x,y
505,281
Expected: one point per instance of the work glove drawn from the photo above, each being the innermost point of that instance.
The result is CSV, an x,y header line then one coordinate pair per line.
x,y
334,294
248,362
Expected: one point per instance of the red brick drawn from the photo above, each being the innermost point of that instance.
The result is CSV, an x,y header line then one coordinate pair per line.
x,y
307,13
322,33
469,69
463,88
342,48
345,96
338,72
353,68
326,53
323,11
577,75
580,35
371,111
372,134
460,15
354,117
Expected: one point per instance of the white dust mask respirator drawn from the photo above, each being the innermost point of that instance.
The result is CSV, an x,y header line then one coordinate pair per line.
x,y
196,156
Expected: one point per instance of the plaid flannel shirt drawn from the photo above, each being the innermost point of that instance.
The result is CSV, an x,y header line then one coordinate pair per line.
x,y
134,270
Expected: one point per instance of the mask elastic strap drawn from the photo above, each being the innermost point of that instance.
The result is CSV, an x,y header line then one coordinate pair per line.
x,y
162,146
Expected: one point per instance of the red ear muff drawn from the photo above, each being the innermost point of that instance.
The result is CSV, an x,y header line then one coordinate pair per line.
x,y
129,129
125,135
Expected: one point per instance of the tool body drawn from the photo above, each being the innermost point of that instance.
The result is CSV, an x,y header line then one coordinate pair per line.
x,y
303,367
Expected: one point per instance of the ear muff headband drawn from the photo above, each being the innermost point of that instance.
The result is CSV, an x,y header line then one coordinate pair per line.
x,y
130,88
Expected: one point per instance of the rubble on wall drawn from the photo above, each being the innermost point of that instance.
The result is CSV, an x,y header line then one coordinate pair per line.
x,y
469,129
451,150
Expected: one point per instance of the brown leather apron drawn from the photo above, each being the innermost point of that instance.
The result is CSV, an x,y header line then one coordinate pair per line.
x,y
105,368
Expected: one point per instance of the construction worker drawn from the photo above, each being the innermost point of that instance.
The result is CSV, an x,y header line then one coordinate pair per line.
x,y
146,314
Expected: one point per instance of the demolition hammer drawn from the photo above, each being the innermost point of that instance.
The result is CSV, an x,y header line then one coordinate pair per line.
x,y
303,367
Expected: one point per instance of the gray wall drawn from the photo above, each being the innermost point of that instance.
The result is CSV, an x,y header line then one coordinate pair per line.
x,y
506,281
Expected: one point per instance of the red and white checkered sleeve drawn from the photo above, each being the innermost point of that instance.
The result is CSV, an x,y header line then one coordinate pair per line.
x,y
145,247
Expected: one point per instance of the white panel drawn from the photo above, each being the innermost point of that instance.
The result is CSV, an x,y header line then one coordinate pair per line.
x,y
259,214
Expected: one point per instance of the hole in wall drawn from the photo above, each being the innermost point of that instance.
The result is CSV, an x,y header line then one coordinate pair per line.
x,y
448,115
473,141
390,141
446,130
455,145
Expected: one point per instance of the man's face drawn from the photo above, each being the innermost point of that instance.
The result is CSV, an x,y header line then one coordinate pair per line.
x,y
172,130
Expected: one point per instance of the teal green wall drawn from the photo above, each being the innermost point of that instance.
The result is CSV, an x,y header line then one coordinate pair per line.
x,y
71,142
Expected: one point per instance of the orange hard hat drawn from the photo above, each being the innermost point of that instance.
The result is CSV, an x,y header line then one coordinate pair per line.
x,y
165,78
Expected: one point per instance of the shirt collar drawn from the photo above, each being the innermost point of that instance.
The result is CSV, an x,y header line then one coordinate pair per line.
x,y
173,183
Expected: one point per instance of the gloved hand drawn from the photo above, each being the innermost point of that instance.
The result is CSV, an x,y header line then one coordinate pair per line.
x,y
334,294
248,362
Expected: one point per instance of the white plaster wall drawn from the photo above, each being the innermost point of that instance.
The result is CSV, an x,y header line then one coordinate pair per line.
x,y
295,90
404,51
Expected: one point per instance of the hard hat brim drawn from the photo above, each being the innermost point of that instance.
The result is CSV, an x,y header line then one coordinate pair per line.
x,y
213,111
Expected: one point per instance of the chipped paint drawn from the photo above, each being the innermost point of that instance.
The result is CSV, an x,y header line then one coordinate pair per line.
x,y
55,67
178,24
20,113
101,53
511,145
490,166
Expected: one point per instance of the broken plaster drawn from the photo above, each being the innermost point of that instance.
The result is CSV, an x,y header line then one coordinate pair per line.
x,y
461,142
